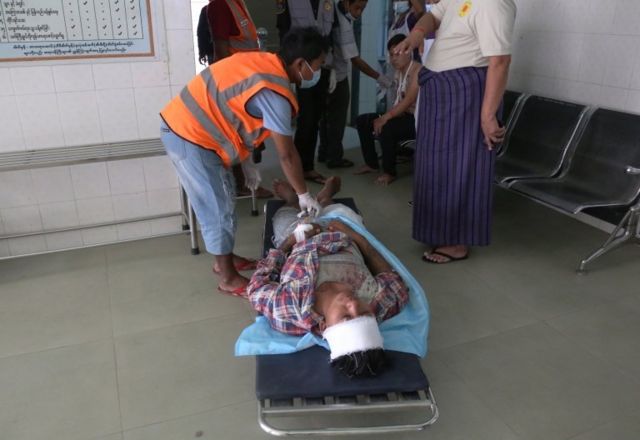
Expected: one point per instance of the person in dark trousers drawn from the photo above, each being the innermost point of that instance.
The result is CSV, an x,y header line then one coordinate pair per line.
x,y
318,14
345,52
205,41
396,125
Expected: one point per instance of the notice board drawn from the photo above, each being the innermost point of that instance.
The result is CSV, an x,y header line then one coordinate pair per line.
x,y
32,30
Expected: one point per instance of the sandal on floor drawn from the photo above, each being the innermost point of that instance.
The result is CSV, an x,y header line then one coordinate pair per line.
x,y
246,264
449,258
316,178
343,163
240,292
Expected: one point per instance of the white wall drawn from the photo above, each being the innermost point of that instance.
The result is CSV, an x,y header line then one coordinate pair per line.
x,y
584,51
372,24
66,103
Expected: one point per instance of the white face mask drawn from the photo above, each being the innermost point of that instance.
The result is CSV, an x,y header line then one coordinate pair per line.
x,y
308,83
401,7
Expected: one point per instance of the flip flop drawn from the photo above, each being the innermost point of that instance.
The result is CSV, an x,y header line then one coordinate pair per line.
x,y
319,179
240,292
246,264
450,258
342,163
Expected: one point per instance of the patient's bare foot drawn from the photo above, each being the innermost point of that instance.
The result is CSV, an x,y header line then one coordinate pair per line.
x,y
384,179
330,189
284,191
364,169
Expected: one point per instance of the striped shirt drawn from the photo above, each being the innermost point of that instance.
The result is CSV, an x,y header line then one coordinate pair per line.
x,y
282,288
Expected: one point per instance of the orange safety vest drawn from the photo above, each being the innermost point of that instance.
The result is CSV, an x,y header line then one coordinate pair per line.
x,y
211,110
247,40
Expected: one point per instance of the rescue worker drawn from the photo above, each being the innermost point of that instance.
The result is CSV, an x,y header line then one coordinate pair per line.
x,y
318,14
220,117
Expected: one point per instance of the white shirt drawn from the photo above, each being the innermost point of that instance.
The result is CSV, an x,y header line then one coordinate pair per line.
x,y
470,32
344,45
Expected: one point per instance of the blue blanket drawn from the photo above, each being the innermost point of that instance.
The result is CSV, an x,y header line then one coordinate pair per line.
x,y
406,332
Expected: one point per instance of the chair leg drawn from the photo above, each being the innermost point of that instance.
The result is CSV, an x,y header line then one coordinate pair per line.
x,y
630,226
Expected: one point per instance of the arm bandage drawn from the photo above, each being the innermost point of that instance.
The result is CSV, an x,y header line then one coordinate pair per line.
x,y
299,231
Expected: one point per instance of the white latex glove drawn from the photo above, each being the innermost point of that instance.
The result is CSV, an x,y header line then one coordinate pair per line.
x,y
384,81
309,204
332,81
252,177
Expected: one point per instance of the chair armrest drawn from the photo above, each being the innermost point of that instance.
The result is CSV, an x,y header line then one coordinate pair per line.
x,y
632,170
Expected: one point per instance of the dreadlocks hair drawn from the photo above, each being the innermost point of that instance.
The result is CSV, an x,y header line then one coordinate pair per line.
x,y
361,363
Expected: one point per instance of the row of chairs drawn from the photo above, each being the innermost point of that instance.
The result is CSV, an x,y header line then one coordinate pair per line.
x,y
574,158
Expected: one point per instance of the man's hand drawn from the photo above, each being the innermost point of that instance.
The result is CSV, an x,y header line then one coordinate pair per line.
x,y
252,177
404,47
493,132
309,204
290,241
380,122
338,226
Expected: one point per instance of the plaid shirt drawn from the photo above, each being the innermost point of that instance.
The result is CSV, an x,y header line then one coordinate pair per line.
x,y
282,288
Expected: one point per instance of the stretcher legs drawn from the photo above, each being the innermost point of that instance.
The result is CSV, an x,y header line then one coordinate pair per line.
x,y
422,402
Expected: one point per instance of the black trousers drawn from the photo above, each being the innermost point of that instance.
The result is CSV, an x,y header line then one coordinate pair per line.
x,y
334,123
396,130
311,102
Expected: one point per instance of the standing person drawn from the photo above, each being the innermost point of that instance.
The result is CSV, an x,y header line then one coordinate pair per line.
x,y
205,41
233,31
395,125
345,51
318,14
460,94
220,117
407,13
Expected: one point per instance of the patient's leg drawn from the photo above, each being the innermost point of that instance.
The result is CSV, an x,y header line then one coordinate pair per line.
x,y
330,189
283,190
325,197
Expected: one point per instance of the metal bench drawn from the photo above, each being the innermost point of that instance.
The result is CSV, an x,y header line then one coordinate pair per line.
x,y
603,171
51,157
541,134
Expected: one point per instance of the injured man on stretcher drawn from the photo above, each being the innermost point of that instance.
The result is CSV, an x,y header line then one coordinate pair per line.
x,y
331,282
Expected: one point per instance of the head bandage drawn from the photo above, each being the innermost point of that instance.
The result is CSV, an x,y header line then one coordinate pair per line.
x,y
359,334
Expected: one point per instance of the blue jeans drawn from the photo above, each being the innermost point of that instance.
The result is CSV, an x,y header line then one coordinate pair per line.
x,y
210,188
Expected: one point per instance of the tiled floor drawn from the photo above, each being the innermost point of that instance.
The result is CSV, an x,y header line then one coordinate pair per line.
x,y
132,342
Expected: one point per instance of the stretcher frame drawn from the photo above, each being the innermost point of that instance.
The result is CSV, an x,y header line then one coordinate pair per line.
x,y
419,401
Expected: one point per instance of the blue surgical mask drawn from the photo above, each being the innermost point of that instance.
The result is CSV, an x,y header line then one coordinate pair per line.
x,y
401,7
308,83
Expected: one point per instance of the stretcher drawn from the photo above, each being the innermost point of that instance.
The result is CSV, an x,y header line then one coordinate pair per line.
x,y
299,393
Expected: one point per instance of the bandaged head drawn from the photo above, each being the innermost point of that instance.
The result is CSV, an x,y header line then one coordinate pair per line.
x,y
355,335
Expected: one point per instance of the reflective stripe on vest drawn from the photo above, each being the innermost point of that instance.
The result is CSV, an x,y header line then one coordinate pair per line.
x,y
248,38
209,126
222,97
301,15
